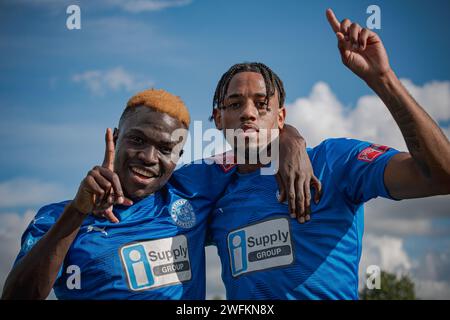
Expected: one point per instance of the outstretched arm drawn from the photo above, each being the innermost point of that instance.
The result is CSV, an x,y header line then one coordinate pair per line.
x,y
425,170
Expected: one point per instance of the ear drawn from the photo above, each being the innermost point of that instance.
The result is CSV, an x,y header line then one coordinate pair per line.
x,y
281,117
115,135
217,118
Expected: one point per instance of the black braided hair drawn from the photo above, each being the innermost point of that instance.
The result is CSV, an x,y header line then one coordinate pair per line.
x,y
271,80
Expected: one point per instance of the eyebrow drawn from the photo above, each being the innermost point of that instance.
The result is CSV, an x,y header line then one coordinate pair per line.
x,y
240,95
160,140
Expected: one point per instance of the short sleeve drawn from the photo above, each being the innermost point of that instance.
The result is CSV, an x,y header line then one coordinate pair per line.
x,y
357,168
38,227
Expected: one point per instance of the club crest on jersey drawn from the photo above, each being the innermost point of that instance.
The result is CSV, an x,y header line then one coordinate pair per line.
x,y
183,214
372,152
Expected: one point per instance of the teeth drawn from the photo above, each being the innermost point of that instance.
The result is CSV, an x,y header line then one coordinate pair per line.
x,y
142,172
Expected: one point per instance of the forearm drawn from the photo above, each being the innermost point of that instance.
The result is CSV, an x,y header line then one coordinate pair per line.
x,y
33,277
427,144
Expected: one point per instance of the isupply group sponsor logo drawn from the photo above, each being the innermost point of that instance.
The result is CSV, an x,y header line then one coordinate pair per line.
x,y
260,246
156,263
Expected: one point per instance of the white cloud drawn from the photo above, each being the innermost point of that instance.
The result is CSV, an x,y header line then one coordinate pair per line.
x,y
26,192
413,217
433,96
399,227
99,82
322,115
318,116
425,208
386,252
12,225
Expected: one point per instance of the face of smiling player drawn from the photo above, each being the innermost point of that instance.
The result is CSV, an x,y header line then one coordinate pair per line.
x,y
146,152
245,109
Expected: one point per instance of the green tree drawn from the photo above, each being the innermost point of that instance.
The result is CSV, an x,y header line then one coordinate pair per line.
x,y
392,288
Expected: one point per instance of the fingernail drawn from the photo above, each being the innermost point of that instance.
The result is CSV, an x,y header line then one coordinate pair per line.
x,y
307,218
293,215
302,220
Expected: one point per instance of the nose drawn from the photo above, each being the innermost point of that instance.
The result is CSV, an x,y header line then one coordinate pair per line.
x,y
148,155
249,112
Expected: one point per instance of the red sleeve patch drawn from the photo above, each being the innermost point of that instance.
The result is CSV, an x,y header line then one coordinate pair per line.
x,y
372,152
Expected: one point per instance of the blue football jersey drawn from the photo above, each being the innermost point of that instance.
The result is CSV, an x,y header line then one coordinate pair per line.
x,y
156,251
267,255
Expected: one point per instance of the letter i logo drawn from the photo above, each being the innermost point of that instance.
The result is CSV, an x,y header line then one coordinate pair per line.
x,y
137,266
238,251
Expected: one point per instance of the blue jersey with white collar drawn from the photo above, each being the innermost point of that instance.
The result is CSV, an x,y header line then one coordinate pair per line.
x,y
156,251
267,255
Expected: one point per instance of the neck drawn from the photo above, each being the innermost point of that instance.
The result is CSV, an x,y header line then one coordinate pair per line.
x,y
250,167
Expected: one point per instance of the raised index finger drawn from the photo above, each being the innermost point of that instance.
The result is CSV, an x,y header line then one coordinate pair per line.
x,y
108,161
334,22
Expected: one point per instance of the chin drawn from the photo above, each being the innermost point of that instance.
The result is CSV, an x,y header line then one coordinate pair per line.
x,y
142,193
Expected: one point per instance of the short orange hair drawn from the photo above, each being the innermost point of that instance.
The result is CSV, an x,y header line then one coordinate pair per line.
x,y
161,101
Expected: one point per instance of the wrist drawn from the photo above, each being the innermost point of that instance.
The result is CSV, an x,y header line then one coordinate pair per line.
x,y
74,210
383,79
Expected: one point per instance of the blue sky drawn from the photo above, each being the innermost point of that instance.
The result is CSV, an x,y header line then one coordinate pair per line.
x,y
185,49
52,124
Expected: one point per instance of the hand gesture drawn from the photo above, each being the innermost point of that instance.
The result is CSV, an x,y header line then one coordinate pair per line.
x,y
361,49
101,188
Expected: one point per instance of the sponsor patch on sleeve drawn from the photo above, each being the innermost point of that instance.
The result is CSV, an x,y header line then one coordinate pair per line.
x,y
372,152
